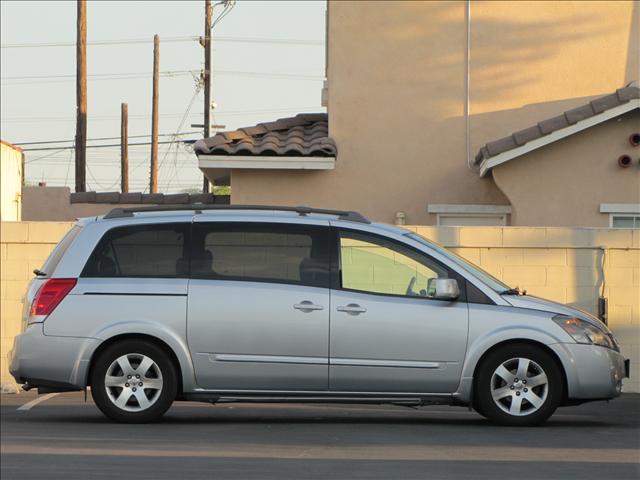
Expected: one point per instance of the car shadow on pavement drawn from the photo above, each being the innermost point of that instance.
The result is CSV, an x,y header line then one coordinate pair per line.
x,y
240,418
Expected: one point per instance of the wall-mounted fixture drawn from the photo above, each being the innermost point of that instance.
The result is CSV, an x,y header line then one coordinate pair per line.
x,y
624,161
634,139
401,218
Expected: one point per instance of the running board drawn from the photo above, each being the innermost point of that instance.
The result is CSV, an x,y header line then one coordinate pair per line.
x,y
347,399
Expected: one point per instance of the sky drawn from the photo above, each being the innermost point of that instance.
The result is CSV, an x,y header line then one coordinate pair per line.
x,y
268,63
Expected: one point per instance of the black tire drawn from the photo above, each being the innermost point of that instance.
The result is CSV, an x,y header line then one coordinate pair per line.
x,y
531,415
162,398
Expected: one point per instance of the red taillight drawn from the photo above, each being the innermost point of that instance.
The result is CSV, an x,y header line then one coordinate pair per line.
x,y
51,294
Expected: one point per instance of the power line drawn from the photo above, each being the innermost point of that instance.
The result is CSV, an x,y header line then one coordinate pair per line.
x,y
101,146
131,41
37,79
229,113
106,75
177,134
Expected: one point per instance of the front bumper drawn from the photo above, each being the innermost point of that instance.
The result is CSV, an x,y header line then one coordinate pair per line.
x,y
50,362
592,372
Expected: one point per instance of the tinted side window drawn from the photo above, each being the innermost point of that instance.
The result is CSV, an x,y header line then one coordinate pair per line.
x,y
277,253
141,251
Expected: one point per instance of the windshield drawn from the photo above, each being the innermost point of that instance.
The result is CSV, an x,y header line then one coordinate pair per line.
x,y
485,277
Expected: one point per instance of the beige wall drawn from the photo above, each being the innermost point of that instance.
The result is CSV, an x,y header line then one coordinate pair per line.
x,y
557,263
565,182
23,247
10,183
52,204
397,75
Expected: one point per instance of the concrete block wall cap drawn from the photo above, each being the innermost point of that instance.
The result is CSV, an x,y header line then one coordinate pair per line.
x,y
206,198
176,198
222,199
107,197
82,197
131,197
155,198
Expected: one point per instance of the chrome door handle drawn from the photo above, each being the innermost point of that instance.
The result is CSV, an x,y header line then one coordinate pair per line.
x,y
306,306
352,309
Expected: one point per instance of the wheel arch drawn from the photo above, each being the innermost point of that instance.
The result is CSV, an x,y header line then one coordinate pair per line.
x,y
523,341
140,336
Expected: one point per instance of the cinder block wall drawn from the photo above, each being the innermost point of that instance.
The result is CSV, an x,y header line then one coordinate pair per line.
x,y
562,264
24,246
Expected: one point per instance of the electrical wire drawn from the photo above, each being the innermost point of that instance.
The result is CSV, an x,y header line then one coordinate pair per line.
x,y
39,79
98,118
228,6
45,156
184,117
132,41
100,146
177,134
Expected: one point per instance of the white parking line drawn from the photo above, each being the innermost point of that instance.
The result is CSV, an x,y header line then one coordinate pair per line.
x,y
33,403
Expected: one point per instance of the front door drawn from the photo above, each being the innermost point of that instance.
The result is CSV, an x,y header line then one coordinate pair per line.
x,y
258,306
387,334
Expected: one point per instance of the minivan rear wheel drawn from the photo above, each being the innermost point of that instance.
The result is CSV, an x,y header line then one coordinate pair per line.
x,y
133,381
518,385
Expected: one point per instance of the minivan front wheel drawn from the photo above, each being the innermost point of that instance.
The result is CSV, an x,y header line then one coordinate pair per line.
x,y
519,385
133,382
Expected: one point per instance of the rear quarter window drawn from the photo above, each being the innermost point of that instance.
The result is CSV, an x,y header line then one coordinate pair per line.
x,y
58,252
158,250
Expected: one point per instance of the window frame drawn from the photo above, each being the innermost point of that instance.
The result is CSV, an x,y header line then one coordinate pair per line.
x,y
282,227
635,216
186,246
336,272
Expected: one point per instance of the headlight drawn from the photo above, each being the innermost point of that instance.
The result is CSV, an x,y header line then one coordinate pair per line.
x,y
584,332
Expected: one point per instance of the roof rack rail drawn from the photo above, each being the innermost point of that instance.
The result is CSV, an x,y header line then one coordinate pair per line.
x,y
200,207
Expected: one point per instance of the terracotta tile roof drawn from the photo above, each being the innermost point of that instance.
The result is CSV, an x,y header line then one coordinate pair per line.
x,y
550,125
305,135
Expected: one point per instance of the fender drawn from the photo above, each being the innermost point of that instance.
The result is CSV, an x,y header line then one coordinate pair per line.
x,y
159,331
480,345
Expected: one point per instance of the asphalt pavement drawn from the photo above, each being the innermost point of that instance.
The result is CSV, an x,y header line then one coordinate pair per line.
x,y
64,437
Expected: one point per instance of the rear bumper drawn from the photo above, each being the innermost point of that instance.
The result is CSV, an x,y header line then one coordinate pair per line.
x,y
60,363
592,372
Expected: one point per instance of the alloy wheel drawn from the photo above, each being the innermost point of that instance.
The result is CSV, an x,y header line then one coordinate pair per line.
x,y
133,382
519,386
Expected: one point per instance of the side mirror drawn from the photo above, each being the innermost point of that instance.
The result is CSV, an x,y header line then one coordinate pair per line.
x,y
443,288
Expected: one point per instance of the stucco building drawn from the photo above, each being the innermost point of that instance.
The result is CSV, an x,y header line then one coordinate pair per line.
x,y
422,99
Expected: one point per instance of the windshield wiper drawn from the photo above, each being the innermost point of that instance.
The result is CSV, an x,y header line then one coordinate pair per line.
x,y
513,291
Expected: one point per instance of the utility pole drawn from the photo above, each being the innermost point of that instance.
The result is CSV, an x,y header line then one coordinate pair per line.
x,y
81,96
124,148
153,180
207,78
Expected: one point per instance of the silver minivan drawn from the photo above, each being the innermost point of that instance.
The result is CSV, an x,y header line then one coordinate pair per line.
x,y
230,303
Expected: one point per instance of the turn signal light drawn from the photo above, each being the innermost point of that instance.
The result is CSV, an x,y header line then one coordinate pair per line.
x,y
51,294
